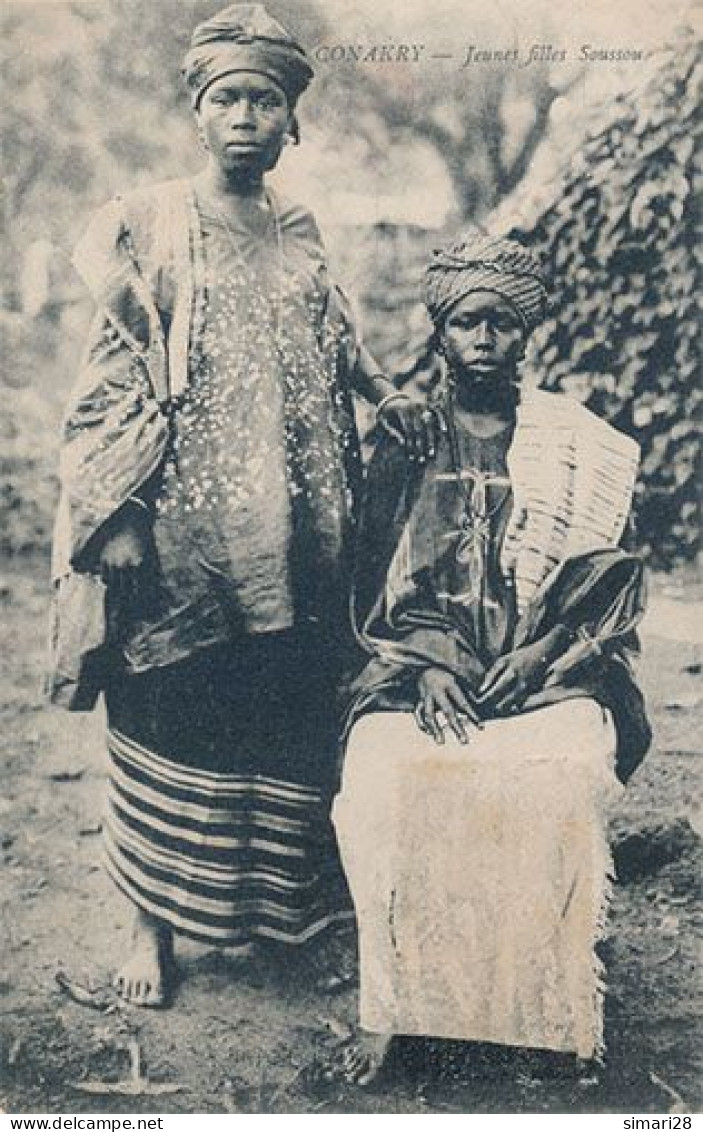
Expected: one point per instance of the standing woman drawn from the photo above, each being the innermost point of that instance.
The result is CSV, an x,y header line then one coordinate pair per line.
x,y
209,467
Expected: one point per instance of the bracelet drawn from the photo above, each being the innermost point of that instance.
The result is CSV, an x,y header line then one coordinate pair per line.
x,y
390,397
139,503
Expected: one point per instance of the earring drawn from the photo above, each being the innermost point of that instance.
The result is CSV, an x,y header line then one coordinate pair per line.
x,y
449,377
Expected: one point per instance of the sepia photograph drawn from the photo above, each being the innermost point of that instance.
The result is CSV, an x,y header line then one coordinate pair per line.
x,y
350,585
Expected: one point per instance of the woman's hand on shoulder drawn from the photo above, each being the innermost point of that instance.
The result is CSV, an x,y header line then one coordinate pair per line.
x,y
441,695
412,424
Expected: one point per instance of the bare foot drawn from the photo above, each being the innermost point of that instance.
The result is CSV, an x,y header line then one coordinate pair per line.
x,y
364,1057
144,980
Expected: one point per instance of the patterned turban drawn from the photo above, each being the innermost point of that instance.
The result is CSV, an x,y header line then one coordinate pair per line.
x,y
244,37
479,262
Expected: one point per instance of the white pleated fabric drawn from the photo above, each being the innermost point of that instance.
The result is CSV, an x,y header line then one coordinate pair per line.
x,y
480,876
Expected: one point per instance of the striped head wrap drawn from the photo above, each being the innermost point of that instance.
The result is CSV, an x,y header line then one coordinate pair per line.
x,y
479,262
244,37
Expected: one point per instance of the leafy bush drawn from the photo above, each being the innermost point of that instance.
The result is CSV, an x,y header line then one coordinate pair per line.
x,y
619,244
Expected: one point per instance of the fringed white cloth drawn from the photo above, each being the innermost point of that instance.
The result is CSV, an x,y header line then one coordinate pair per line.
x,y
481,876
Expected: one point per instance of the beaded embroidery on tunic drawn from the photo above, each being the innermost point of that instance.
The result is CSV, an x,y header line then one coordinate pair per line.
x,y
255,445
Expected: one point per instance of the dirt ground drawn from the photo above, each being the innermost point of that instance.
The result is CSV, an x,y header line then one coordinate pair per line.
x,y
245,1029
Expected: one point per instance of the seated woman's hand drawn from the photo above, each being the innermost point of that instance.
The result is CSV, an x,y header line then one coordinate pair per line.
x,y
510,680
440,692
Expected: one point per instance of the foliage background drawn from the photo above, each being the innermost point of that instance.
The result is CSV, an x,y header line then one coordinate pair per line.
x,y
392,157
621,239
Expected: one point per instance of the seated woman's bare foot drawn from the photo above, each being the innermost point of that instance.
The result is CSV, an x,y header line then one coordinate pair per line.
x,y
145,979
364,1057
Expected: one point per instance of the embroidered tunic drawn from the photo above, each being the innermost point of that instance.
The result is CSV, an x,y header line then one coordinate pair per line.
x,y
473,504
217,384
254,467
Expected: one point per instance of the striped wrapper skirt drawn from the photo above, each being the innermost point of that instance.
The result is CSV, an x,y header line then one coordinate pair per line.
x,y
221,774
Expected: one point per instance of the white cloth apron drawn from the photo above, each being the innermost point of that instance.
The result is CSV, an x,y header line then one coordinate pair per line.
x,y
480,876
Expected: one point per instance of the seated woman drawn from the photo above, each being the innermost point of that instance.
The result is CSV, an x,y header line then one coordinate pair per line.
x,y
497,709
